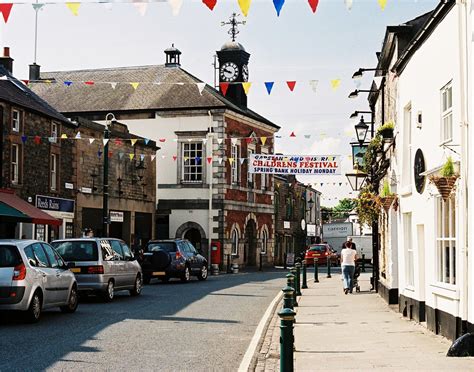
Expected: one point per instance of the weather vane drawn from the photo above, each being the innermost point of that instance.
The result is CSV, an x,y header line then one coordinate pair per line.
x,y
233,23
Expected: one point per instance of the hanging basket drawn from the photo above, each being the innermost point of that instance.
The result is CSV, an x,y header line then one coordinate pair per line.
x,y
387,201
445,185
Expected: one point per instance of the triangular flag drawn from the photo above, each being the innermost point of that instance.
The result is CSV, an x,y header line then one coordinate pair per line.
x,y
37,140
224,87
141,7
68,83
26,82
219,141
245,6
263,139
175,6
113,85
246,87
105,141
5,9
142,157
198,159
121,154
382,3
292,134
78,135
133,141
269,86
153,157
162,140
204,140
146,140
278,5
90,82
242,160
135,85
37,6
291,85
201,87
209,159
335,84
175,157
210,3
110,154
348,4
131,156
313,4
63,136
23,139
231,161
74,8
220,160
91,140
249,140
233,141
314,85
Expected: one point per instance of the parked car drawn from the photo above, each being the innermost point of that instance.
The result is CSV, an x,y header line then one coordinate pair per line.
x,y
33,277
322,252
102,266
165,259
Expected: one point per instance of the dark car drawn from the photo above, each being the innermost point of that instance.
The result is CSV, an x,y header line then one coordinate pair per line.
x,y
322,252
165,259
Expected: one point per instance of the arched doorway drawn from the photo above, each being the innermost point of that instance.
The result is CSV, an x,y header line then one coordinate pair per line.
x,y
250,253
194,236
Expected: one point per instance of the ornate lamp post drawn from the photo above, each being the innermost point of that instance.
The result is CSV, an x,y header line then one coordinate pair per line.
x,y
109,118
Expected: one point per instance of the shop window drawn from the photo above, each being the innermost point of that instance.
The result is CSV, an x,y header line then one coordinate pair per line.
x,y
446,240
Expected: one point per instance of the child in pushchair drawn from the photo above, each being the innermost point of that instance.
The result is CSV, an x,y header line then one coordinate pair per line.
x,y
355,281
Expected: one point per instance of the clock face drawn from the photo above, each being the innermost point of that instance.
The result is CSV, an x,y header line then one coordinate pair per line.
x,y
245,72
419,167
229,71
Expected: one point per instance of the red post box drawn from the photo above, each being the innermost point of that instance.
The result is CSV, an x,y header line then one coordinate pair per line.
x,y
215,253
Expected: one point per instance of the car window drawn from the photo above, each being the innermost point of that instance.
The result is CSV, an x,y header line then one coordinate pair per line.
x,y
51,256
126,252
9,256
40,255
191,248
108,253
169,247
184,247
31,256
77,250
116,246
318,248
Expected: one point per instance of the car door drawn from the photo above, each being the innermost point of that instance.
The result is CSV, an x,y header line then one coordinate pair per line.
x,y
130,268
62,278
47,274
118,264
193,258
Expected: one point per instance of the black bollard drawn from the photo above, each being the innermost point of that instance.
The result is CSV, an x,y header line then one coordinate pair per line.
x,y
295,300
288,297
316,279
305,284
363,263
229,269
287,318
329,267
298,279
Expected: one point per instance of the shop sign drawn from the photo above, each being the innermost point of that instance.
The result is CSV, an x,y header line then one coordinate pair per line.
x,y
337,230
116,216
62,208
311,230
286,224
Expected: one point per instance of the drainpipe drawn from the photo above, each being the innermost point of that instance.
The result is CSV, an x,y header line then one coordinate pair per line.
x,y
210,136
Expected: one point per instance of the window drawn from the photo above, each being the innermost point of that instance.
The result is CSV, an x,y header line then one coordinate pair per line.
x,y
251,176
15,162
192,162
264,241
9,256
289,208
79,251
235,170
447,113
116,246
277,205
446,240
54,172
40,256
408,242
163,246
126,252
406,169
54,130
51,256
15,121
235,242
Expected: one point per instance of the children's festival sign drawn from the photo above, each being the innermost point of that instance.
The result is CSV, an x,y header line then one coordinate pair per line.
x,y
295,164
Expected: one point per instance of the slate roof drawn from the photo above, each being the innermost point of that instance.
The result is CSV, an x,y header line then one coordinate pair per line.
x,y
14,91
79,97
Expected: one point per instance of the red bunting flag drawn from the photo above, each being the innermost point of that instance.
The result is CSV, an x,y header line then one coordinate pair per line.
x,y
248,140
209,159
5,9
292,134
313,4
224,87
162,139
175,157
37,140
89,82
291,85
118,142
210,3
110,154
26,82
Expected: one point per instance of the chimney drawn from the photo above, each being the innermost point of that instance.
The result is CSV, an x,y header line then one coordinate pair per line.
x,y
34,72
6,61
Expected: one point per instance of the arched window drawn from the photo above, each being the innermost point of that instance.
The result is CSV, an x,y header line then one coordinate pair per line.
x,y
235,242
264,241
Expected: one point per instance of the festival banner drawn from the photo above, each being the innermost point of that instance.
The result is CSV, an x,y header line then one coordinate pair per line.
x,y
295,164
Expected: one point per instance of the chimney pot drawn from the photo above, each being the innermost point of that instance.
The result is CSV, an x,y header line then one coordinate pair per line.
x,y
6,52
6,61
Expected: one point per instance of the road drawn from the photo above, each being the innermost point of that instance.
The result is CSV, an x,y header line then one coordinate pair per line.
x,y
171,327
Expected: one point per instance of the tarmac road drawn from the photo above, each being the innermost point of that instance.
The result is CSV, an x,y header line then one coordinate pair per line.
x,y
171,327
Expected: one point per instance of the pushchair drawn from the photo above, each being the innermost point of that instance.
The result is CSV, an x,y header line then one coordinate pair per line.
x,y
355,281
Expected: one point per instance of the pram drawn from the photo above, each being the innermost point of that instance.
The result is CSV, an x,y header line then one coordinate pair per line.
x,y
355,281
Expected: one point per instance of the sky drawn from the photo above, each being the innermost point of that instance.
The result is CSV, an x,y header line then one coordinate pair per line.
x,y
299,45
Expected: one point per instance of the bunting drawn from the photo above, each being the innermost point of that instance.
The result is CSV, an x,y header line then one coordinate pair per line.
x,y
224,87
313,5
245,6
74,8
278,5
5,9
291,85
246,87
269,86
210,3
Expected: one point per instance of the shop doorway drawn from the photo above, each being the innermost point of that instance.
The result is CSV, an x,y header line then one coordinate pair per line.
x,y
250,253
194,236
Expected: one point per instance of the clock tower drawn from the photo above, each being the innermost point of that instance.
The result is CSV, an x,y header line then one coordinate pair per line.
x,y
233,65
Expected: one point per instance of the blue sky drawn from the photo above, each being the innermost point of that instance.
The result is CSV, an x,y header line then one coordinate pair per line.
x,y
298,45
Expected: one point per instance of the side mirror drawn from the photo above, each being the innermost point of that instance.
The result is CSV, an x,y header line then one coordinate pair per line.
x,y
32,262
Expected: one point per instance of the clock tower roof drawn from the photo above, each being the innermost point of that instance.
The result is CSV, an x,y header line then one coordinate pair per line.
x,y
232,45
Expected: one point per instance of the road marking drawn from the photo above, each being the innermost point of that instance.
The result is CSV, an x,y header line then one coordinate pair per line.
x,y
247,359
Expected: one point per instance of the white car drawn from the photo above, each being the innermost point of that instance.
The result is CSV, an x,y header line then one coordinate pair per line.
x,y
33,277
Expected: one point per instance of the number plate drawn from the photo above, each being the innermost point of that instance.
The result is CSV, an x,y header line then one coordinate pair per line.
x,y
158,273
75,269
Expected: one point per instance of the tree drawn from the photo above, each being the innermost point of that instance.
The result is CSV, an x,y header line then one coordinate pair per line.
x,y
343,208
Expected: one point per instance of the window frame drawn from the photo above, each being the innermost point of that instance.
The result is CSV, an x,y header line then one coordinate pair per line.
x,y
187,165
16,128
264,241
235,242
445,234
235,167
446,113
53,172
15,165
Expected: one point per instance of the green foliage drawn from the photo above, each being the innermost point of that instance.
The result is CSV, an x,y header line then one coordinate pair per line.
x,y
448,168
326,214
368,207
386,190
389,125
370,155
343,208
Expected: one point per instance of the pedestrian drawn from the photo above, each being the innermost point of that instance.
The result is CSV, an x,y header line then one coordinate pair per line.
x,y
348,259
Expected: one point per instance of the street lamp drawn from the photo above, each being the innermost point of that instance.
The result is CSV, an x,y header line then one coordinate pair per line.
x,y
356,92
360,72
361,130
356,114
357,178
105,198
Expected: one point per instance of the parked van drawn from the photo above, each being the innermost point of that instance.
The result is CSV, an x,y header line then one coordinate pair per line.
x,y
363,246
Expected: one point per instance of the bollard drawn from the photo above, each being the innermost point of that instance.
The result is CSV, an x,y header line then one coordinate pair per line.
x,y
229,269
305,284
316,279
363,263
288,297
298,279
287,317
329,267
295,300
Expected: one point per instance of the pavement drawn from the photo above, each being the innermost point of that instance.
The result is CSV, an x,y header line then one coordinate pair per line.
x,y
355,332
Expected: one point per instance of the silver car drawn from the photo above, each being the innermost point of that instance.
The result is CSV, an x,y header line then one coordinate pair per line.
x,y
33,277
101,265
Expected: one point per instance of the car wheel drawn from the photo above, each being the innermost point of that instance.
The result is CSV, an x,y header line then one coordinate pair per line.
x,y
203,273
186,277
33,313
108,295
146,279
72,303
137,288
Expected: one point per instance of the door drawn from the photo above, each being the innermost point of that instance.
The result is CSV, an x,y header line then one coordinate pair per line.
x,y
118,264
251,243
46,273
61,278
193,258
130,265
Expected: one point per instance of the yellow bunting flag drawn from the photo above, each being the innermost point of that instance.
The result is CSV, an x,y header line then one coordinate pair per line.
x,y
335,84
131,156
245,6
264,139
135,85
133,141
64,136
382,3
246,87
74,8
231,161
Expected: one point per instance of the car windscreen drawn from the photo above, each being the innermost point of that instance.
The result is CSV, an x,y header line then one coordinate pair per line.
x,y
77,250
9,256
318,248
163,246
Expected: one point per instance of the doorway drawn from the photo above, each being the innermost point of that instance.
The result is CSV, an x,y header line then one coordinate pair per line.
x,y
250,255
194,236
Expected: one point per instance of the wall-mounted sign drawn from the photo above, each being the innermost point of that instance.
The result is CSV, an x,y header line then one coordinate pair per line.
x,y
61,208
358,153
295,164
69,186
337,230
419,167
286,224
311,230
116,216
86,190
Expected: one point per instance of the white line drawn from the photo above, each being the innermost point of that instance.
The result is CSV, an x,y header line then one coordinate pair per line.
x,y
245,364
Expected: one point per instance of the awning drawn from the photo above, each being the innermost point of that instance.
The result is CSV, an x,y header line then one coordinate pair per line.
x,y
9,214
36,215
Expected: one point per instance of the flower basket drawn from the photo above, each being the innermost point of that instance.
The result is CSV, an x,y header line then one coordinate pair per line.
x,y
445,185
387,201
386,133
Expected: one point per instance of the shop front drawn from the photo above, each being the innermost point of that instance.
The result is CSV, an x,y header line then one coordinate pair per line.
x,y
59,208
